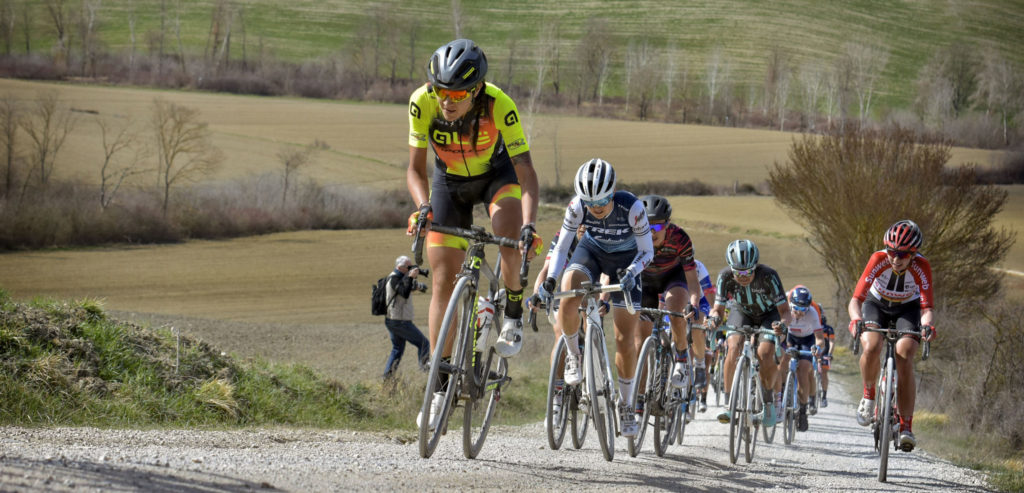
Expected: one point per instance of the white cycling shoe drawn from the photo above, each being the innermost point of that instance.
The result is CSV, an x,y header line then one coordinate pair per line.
x,y
572,373
628,426
511,339
680,377
435,411
865,412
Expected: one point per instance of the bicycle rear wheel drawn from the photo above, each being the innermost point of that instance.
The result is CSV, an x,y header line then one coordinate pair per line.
x,y
643,384
492,373
579,420
666,422
789,409
886,425
599,388
444,376
737,413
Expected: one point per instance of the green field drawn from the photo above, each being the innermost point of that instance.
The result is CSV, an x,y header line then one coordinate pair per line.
x,y
809,31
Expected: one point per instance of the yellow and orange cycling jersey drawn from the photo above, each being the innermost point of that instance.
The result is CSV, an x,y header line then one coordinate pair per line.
x,y
455,151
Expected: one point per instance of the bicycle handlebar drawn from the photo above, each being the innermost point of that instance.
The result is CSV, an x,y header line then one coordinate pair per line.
x,y
862,327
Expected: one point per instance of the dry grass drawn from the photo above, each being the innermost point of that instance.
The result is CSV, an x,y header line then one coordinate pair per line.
x,y
367,143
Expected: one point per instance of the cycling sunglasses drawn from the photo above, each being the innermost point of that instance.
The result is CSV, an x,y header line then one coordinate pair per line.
x,y
898,253
743,273
598,203
800,308
656,227
455,96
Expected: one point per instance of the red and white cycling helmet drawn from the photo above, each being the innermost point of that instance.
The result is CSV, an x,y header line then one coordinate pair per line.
x,y
904,236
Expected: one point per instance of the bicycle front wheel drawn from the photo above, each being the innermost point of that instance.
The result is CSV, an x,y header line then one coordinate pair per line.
x,y
642,389
600,390
445,378
789,409
886,425
737,413
579,421
554,422
667,419
756,407
719,378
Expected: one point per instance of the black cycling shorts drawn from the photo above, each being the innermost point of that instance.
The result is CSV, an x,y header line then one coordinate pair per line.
x,y
738,319
452,197
655,285
906,315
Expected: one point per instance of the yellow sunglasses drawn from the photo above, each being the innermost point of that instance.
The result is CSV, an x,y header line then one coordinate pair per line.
x,y
455,96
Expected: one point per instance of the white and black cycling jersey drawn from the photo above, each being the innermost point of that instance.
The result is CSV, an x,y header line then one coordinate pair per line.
x,y
625,229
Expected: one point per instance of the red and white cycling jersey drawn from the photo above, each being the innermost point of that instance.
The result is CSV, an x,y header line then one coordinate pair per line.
x,y
895,288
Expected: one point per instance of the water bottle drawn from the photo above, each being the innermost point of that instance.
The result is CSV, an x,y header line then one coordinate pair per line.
x,y
484,317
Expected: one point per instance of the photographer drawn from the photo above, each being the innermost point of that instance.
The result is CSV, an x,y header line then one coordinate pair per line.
x,y
398,320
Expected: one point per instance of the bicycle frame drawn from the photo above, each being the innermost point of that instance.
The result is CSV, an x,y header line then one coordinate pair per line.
x,y
746,399
661,400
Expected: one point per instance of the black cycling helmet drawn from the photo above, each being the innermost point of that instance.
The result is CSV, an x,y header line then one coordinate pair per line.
x,y
658,208
458,65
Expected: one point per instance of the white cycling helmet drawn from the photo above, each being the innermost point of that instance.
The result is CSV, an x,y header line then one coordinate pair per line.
x,y
595,180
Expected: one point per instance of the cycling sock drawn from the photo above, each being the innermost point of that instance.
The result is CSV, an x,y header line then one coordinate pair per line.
x,y
514,305
625,389
906,423
824,394
681,356
869,393
573,342
699,363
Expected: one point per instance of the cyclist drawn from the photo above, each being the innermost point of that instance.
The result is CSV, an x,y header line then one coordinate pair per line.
x,y
896,286
672,273
805,334
758,300
826,357
481,156
617,238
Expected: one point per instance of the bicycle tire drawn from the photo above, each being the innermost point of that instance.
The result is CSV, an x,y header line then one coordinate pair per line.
x,y
719,378
886,424
578,431
789,409
599,388
646,366
736,411
666,422
556,425
680,424
769,437
819,393
753,398
428,438
493,375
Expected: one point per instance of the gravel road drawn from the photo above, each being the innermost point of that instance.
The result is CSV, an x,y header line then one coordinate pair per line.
x,y
834,455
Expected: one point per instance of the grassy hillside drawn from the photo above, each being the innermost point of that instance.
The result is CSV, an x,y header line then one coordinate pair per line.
x,y
746,30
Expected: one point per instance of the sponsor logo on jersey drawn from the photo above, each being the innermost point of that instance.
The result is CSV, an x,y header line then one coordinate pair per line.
x,y
516,144
609,231
414,110
511,118
418,137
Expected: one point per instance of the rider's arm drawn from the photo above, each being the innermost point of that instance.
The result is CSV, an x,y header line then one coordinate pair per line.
x,y
854,309
927,317
527,177
573,218
694,289
542,275
416,176
644,242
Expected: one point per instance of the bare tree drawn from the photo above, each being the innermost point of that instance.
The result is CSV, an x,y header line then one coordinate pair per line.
x,y
810,77
669,77
10,120
646,77
545,51
934,99
293,159
594,54
131,34
47,124
717,70
87,26
61,18
847,224
26,24
183,146
782,96
411,28
1000,87
867,63
776,70
961,69
7,24
457,18
123,155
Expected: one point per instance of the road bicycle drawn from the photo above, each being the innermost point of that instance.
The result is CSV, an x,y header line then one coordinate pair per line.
x,y
745,399
474,375
599,394
885,425
790,397
569,416
652,384
819,392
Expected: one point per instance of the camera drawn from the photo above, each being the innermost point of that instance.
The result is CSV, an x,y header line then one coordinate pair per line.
x,y
423,270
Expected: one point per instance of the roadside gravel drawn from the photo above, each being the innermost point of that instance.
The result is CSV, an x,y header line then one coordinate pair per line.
x,y
834,455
